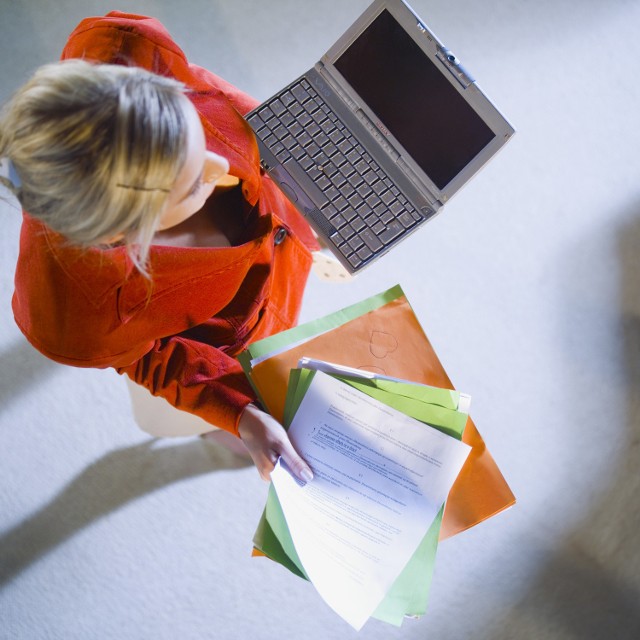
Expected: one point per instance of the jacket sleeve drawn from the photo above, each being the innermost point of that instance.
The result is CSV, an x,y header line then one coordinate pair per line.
x,y
79,307
195,378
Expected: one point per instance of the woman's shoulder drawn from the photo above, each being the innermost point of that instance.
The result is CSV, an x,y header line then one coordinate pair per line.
x,y
127,38
141,41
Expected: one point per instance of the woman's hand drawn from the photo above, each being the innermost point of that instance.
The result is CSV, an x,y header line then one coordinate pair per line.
x,y
266,440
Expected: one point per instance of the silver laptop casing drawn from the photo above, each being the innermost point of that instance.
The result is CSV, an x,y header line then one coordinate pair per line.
x,y
412,181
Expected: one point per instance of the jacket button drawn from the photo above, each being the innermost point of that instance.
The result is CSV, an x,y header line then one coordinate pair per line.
x,y
281,234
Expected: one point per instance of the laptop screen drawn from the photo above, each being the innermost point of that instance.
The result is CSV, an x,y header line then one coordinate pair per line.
x,y
414,100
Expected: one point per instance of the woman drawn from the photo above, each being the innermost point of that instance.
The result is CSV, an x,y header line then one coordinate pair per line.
x,y
131,257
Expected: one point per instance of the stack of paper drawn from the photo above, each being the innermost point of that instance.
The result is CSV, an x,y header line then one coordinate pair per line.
x,y
364,532
322,531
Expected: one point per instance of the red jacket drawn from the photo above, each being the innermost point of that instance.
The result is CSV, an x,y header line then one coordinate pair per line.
x,y
93,309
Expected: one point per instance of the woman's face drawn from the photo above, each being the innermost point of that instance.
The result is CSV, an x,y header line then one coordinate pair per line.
x,y
198,177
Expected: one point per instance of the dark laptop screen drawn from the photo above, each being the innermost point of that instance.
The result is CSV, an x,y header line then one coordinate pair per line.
x,y
413,99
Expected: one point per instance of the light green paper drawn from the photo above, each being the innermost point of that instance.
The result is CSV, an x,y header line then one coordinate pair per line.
x,y
266,541
276,520
452,422
447,398
410,592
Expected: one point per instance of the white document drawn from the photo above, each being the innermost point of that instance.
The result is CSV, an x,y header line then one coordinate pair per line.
x,y
380,480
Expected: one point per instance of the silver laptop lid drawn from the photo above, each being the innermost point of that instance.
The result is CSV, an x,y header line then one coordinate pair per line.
x,y
423,107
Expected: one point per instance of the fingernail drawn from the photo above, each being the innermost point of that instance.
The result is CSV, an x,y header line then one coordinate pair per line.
x,y
306,475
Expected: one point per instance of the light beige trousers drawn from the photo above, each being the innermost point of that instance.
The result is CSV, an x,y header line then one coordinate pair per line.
x,y
161,419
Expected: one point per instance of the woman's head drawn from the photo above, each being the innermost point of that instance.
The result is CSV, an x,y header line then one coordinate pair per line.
x,y
102,152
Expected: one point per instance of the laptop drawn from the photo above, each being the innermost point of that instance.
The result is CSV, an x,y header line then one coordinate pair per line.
x,y
372,141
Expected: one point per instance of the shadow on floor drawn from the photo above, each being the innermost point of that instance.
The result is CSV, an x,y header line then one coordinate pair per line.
x,y
116,479
590,587
21,369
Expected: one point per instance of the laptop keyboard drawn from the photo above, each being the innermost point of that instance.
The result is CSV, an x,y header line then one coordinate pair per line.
x,y
361,210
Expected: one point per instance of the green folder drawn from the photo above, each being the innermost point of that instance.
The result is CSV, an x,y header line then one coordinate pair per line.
x,y
436,407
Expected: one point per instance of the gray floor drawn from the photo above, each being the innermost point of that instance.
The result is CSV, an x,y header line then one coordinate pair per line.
x,y
528,286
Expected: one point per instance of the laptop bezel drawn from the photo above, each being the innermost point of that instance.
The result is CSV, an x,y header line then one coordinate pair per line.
x,y
450,68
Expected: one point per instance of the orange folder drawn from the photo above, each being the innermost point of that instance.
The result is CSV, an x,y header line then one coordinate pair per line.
x,y
390,341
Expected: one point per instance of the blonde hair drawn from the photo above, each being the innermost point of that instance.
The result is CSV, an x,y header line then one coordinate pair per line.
x,y
97,148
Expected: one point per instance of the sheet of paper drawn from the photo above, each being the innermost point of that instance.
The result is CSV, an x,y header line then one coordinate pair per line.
x,y
380,480
410,592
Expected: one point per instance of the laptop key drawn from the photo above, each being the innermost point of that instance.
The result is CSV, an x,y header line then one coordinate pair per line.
x,y
364,190
300,92
280,132
347,190
298,153
278,108
396,208
341,203
347,232
406,220
314,172
345,146
350,214
355,243
288,141
372,200
339,180
370,218
355,200
386,216
287,98
378,228
338,221
321,139
256,121
298,110
288,120
364,254
332,193
328,210
295,128
387,197
304,139
369,238
267,114
379,187
280,151
391,232
330,169
304,119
